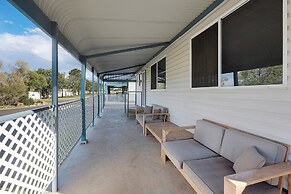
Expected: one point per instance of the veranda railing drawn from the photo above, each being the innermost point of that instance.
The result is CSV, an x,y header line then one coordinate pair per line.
x,y
27,142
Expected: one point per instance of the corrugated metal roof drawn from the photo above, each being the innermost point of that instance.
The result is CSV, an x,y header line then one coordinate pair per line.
x,y
95,26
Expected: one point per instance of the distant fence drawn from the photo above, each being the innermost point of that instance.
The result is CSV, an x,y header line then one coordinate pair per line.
x,y
27,142
115,97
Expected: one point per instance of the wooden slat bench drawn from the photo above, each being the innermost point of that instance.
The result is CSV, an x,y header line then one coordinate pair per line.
x,y
156,129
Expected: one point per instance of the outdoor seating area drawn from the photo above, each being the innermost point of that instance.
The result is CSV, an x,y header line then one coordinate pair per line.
x,y
181,97
204,161
152,114
218,155
119,159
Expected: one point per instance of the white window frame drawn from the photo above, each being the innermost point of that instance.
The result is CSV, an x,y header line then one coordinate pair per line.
x,y
284,84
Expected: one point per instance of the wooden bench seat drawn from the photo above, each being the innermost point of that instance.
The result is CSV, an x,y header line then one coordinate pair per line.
x,y
156,130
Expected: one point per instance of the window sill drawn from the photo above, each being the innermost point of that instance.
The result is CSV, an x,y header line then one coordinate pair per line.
x,y
279,86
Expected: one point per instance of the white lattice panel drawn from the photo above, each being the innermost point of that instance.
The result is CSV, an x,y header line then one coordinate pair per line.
x,y
27,154
70,128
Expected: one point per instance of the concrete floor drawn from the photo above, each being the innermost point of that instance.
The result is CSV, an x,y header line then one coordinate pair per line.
x,y
119,160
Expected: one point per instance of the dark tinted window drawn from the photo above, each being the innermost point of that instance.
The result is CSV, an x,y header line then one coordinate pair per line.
x,y
252,51
154,76
205,58
162,74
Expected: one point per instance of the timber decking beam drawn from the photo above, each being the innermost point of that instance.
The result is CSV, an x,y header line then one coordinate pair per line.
x,y
127,50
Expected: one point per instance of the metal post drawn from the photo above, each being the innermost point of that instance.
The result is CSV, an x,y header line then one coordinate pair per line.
x,y
140,98
127,108
124,93
135,94
103,95
145,87
83,86
55,102
98,110
93,91
235,78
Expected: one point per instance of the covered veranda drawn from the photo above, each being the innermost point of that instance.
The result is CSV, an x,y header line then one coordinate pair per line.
x,y
88,146
119,159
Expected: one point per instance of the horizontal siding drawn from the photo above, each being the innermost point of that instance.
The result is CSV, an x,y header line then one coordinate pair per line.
x,y
264,111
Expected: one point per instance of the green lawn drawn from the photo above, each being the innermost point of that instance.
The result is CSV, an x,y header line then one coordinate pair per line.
x,y
45,102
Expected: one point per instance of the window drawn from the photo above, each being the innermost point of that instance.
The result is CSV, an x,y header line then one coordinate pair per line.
x,y
162,74
154,77
139,79
205,58
158,75
252,44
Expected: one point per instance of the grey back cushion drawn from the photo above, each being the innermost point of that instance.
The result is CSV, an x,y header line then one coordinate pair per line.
x,y
209,134
234,143
148,109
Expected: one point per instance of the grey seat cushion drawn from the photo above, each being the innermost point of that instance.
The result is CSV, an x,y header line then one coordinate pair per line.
x,y
209,134
182,150
235,142
208,175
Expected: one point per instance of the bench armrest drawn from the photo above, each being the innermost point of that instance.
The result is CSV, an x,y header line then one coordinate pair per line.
x,y
166,131
156,114
236,183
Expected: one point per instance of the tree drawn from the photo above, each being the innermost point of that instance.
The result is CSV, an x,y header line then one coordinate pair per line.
x,y
46,90
12,89
63,82
36,81
261,76
21,69
88,87
74,80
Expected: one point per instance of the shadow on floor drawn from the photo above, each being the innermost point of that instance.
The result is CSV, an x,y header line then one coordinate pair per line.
x,y
119,160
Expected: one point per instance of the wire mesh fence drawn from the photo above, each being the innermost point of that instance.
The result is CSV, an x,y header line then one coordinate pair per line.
x,y
70,127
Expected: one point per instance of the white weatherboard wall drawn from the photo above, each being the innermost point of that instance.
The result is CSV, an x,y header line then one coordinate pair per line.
x,y
265,111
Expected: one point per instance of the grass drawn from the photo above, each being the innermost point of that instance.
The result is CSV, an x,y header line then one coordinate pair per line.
x,y
45,102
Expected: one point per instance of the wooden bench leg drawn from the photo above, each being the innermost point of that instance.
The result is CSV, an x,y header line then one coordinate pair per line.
x,y
163,156
145,131
289,183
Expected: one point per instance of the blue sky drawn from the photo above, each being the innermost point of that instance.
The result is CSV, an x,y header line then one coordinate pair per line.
x,y
20,39
11,20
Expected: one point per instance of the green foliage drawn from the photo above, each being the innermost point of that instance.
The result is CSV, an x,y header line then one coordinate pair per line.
x,y
15,86
46,90
74,80
261,76
12,88
63,82
26,101
36,81
88,86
